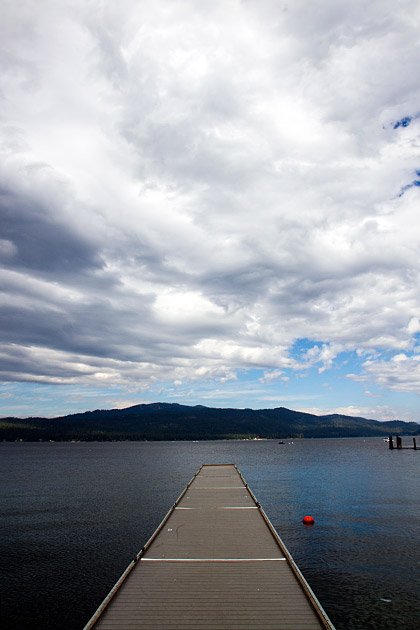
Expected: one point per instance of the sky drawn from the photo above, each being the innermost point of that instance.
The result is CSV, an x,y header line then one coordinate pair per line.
x,y
210,203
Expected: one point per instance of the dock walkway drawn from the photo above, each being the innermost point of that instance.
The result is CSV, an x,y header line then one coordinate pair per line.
x,y
214,563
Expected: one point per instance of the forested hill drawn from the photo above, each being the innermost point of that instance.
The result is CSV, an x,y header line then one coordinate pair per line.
x,y
164,421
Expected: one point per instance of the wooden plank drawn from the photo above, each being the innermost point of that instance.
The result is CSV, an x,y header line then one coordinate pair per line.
x,y
214,563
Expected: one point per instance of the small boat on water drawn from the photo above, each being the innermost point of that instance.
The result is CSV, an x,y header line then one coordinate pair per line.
x,y
281,442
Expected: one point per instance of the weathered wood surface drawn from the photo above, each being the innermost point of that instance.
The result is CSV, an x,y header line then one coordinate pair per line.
x,y
214,563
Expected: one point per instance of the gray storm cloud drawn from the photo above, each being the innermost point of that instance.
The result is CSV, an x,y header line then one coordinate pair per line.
x,y
188,188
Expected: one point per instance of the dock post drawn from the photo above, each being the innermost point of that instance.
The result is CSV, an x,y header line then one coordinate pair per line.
x,y
399,441
415,445
391,443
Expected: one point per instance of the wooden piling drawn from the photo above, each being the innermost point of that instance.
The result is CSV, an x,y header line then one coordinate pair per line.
x,y
399,445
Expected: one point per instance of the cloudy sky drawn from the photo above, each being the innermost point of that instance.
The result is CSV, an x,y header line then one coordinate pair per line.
x,y
210,202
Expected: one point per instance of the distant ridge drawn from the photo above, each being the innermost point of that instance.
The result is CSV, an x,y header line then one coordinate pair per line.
x,y
172,421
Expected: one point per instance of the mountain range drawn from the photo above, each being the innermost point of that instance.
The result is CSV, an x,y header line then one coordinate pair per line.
x,y
171,421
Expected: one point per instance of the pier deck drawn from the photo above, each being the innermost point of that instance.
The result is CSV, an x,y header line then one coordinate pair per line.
x,y
214,563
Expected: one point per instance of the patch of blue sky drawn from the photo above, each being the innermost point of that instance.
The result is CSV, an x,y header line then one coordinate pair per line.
x,y
404,122
303,344
308,389
30,399
248,390
414,183
303,347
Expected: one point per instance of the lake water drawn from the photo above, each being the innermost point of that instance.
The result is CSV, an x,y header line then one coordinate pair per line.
x,y
74,515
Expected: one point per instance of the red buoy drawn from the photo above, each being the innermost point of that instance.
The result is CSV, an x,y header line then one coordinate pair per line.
x,y
308,520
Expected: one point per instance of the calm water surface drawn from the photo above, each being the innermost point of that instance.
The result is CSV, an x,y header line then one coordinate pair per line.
x,y
74,515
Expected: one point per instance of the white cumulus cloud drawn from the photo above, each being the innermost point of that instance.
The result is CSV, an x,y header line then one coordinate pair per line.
x,y
189,189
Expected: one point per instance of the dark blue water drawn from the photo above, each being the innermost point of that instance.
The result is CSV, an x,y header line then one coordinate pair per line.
x,y
74,515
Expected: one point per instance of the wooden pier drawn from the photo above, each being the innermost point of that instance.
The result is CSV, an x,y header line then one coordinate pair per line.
x,y
215,562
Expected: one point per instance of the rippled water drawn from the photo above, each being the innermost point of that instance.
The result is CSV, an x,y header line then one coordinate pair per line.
x,y
74,515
